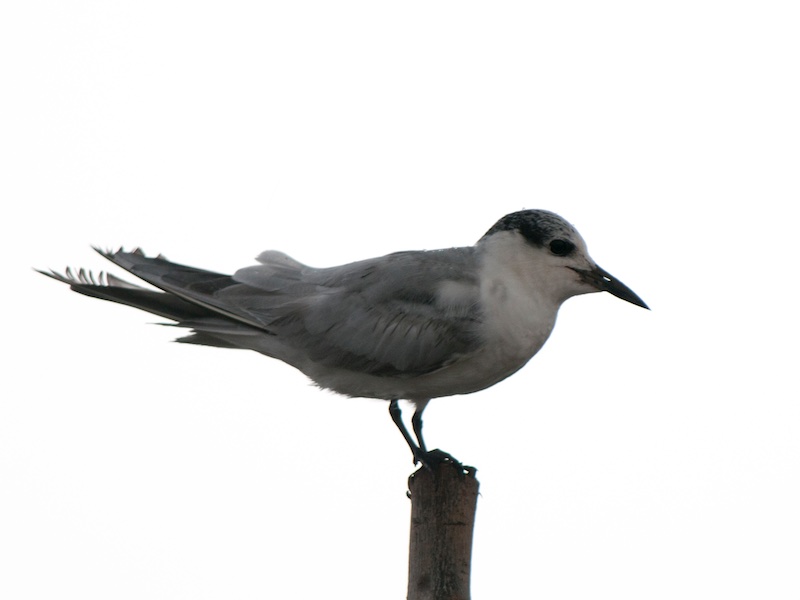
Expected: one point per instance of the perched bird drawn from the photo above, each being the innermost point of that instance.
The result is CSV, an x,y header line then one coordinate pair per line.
x,y
411,325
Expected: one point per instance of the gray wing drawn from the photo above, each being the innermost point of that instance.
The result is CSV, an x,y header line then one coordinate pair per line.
x,y
404,314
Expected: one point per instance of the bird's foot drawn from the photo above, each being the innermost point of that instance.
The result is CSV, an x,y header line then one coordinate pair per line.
x,y
432,459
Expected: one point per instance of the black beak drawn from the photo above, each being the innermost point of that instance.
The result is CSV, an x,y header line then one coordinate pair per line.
x,y
603,281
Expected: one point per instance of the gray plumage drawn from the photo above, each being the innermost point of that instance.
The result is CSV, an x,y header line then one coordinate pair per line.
x,y
411,325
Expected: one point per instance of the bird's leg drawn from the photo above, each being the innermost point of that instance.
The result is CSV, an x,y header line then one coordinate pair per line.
x,y
432,457
429,459
416,423
394,411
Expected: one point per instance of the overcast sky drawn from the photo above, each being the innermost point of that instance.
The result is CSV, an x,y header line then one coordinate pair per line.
x,y
639,455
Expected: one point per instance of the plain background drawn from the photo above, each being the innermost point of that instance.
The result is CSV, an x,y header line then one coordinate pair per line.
x,y
639,455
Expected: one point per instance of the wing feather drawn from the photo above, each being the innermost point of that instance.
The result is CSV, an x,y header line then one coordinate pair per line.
x,y
395,316
385,316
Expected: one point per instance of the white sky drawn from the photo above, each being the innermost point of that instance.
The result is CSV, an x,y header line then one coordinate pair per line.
x,y
639,455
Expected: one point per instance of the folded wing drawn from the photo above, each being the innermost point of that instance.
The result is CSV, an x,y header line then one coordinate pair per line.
x,y
401,315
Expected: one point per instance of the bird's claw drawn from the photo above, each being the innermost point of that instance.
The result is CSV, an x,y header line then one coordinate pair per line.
x,y
431,459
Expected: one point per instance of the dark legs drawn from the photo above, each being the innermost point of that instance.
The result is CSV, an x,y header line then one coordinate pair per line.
x,y
416,424
429,459
417,450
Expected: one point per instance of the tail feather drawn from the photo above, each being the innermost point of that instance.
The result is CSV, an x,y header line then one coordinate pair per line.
x,y
203,339
112,288
196,286
185,295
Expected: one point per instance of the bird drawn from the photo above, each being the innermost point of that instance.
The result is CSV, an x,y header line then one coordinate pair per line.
x,y
412,325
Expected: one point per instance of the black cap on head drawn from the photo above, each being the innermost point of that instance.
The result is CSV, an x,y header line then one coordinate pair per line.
x,y
537,226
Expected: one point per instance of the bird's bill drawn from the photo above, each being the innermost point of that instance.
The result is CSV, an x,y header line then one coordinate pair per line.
x,y
604,281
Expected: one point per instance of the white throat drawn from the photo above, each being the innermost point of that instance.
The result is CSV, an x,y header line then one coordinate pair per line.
x,y
518,300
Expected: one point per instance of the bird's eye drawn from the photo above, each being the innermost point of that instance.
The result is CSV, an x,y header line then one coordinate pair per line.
x,y
561,247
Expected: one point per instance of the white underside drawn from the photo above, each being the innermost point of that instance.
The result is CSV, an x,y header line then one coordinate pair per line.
x,y
518,315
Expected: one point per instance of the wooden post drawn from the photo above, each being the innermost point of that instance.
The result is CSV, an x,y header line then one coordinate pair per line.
x,y
443,504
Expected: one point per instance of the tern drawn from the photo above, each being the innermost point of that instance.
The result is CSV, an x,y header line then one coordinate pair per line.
x,y
412,325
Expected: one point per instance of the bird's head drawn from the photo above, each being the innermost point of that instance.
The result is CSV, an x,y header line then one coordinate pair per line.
x,y
552,250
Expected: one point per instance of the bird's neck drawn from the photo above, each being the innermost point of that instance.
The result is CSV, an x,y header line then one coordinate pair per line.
x,y
518,306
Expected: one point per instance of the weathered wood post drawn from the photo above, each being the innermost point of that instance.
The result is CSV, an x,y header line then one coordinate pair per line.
x,y
443,504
